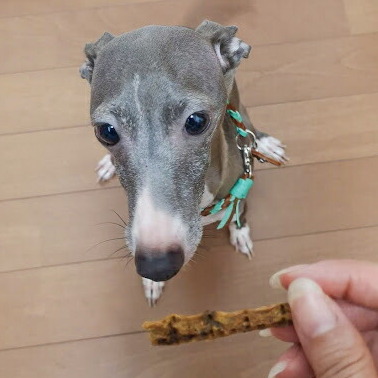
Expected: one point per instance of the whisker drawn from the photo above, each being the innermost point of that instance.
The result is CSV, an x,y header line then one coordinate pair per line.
x,y
189,265
119,249
131,258
115,223
122,220
128,254
201,257
209,236
104,241
203,248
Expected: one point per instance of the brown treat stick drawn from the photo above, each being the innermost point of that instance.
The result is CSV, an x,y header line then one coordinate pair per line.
x,y
177,329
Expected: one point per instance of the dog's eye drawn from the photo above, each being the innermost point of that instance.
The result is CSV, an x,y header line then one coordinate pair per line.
x,y
106,134
196,123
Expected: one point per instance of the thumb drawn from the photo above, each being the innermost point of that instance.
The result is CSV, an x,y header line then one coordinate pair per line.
x,y
333,347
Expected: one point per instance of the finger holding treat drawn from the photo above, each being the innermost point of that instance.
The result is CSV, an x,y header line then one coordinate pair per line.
x,y
335,320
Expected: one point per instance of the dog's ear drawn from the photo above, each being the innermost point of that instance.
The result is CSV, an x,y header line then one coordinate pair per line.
x,y
91,51
229,49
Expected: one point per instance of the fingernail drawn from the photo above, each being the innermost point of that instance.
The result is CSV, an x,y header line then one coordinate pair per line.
x,y
265,332
277,369
275,280
307,298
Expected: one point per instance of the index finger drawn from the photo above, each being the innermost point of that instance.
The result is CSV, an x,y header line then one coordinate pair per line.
x,y
350,280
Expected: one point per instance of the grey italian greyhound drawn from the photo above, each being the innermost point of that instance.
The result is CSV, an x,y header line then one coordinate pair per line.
x,y
158,104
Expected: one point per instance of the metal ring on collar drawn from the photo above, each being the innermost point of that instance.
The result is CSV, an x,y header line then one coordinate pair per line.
x,y
253,138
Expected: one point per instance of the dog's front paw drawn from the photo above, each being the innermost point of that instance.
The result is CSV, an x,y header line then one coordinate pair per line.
x,y
105,169
272,148
152,290
240,238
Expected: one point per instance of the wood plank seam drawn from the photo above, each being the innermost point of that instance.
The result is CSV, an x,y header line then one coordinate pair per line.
x,y
74,340
110,186
249,109
256,240
84,8
241,69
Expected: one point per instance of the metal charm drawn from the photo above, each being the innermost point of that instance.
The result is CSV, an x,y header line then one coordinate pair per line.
x,y
246,154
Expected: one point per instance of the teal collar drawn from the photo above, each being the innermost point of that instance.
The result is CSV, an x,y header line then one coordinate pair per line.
x,y
241,188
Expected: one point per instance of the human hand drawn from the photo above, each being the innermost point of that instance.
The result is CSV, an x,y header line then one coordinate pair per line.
x,y
332,337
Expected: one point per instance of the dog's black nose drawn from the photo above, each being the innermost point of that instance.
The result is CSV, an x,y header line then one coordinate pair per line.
x,y
157,265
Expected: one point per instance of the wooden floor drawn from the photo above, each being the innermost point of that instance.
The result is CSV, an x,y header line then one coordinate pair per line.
x,y
71,308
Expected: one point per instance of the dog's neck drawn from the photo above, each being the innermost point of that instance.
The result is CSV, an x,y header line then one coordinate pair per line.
x,y
226,164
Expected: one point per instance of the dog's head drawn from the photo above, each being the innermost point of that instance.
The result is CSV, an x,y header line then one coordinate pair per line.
x,y
157,96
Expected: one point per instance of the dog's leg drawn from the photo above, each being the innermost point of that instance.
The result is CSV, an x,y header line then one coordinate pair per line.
x,y
240,237
105,169
152,290
266,144
270,147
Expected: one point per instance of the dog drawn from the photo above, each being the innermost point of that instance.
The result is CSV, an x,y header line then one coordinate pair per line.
x,y
160,98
